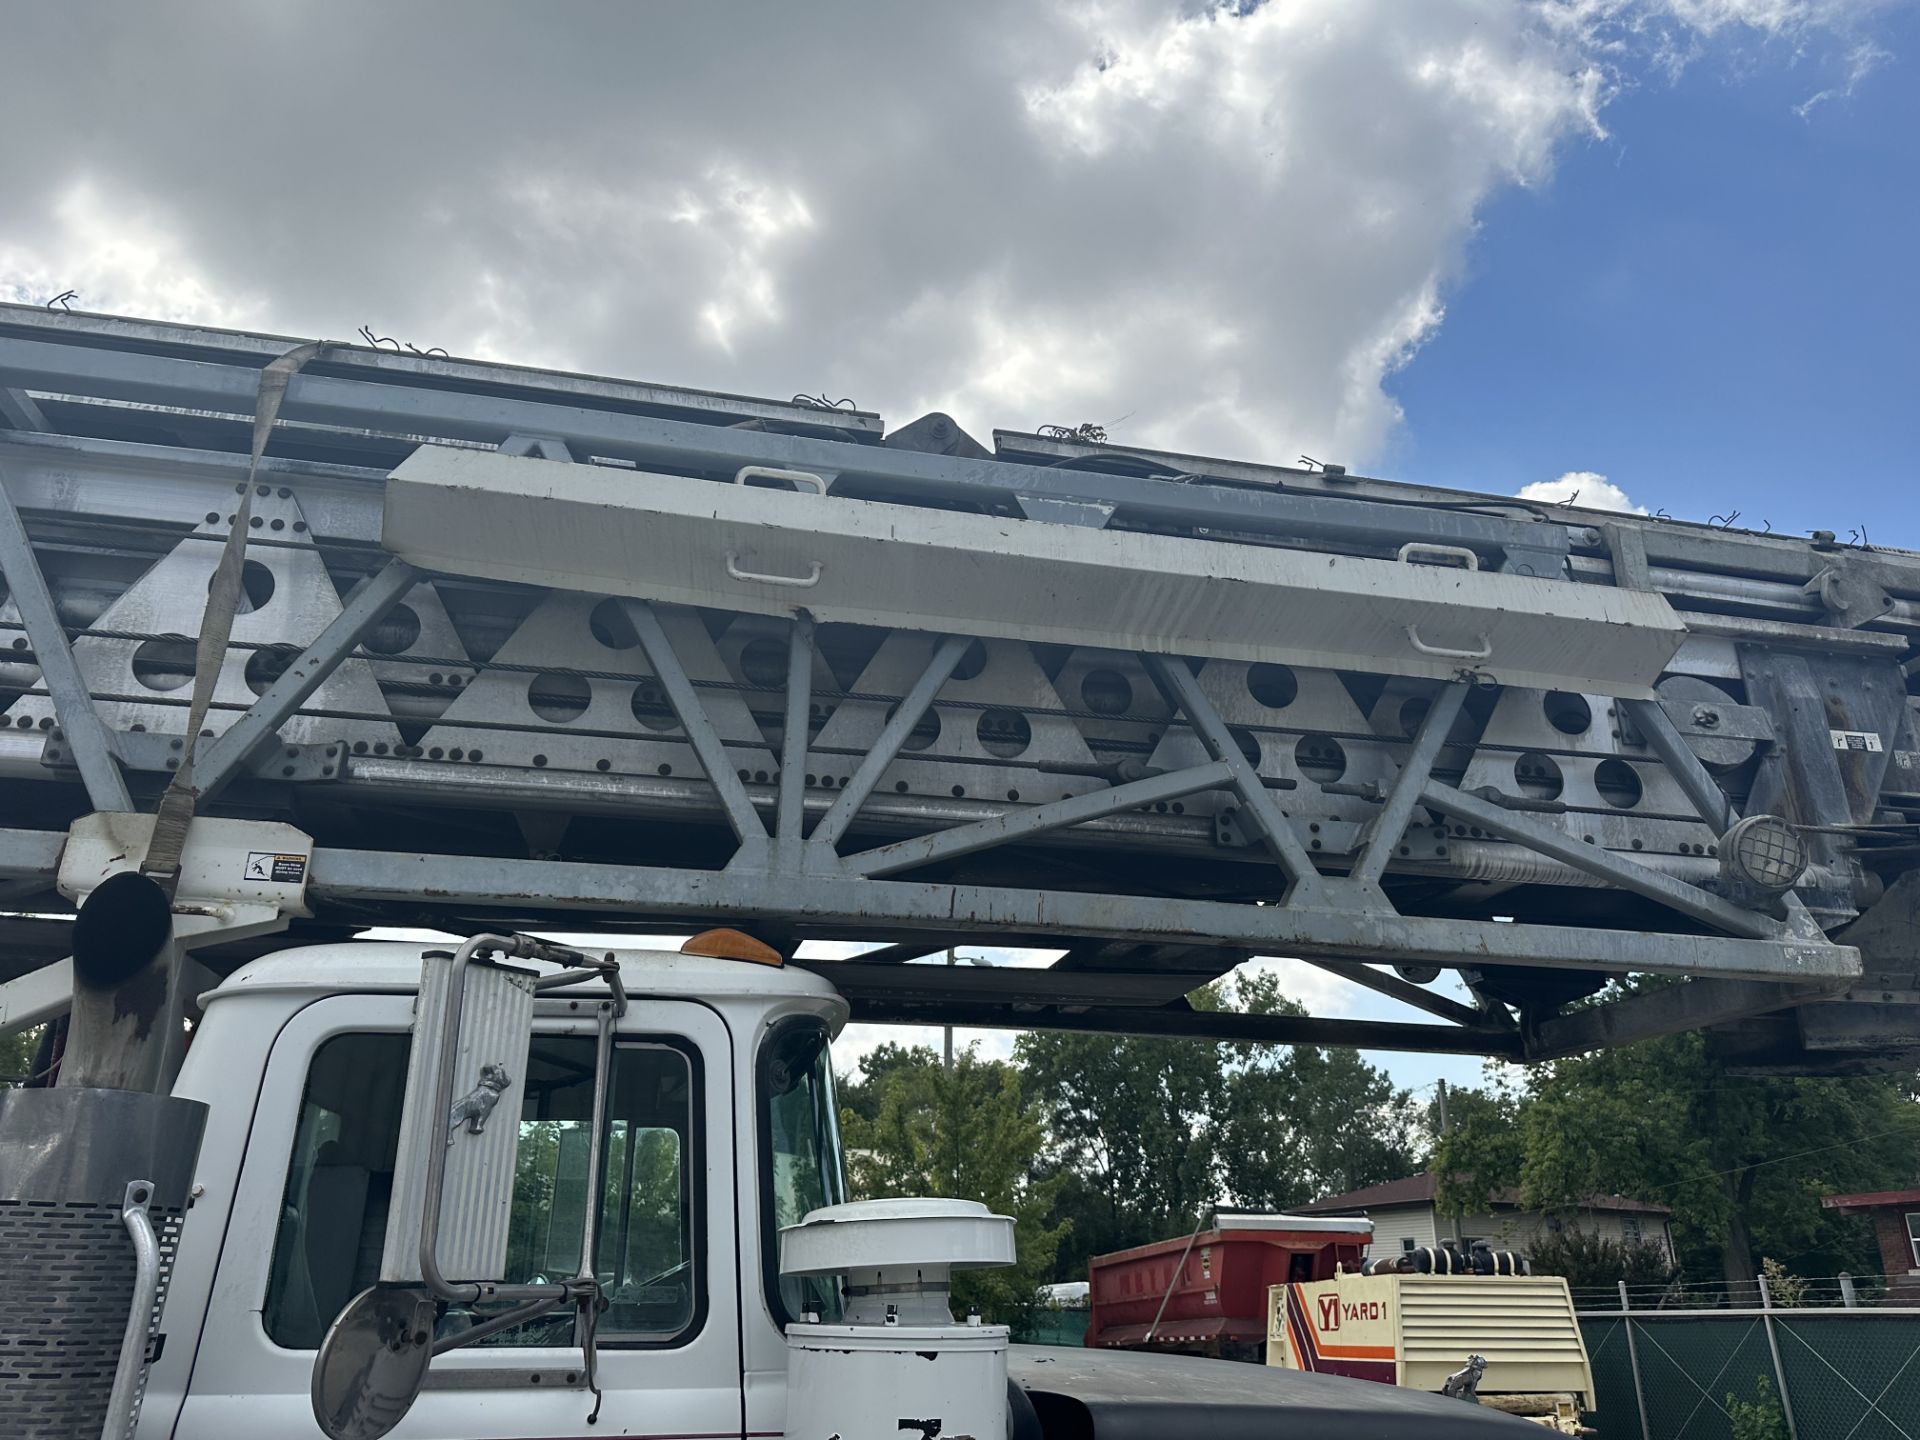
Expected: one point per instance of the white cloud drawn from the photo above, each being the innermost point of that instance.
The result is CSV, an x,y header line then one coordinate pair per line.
x,y
1861,61
1228,228
1587,489
1671,35
1770,17
113,250
1321,991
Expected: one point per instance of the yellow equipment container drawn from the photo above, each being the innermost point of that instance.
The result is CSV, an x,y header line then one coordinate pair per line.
x,y
1416,1330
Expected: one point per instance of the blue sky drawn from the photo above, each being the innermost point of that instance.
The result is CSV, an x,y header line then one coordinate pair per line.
x,y
1717,306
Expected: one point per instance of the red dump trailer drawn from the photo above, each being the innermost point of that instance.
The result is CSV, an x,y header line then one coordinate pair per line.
x,y
1206,1293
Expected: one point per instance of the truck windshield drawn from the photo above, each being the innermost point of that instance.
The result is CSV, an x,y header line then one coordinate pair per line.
x,y
800,1165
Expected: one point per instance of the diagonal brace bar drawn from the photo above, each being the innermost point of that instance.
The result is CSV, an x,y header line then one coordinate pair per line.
x,y
793,737
1391,823
893,735
91,740
20,411
1604,864
1702,789
748,828
1175,678
1405,991
1019,824
228,755
36,997
1160,1022
855,906
1665,1010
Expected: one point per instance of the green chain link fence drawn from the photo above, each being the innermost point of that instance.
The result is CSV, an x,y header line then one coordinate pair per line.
x,y
1058,1327
1849,1375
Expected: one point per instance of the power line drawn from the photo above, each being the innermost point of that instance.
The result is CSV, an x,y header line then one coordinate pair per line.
x,y
1777,1160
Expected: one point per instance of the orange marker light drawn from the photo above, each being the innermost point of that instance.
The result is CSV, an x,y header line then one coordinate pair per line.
x,y
732,945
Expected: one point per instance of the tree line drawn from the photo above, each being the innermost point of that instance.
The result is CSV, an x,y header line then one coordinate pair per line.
x,y
1741,1159
1095,1143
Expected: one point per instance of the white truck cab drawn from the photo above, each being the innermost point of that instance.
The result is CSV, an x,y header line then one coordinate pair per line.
x,y
721,1107
675,1121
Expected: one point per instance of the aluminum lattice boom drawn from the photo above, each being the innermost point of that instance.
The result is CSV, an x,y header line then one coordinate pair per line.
x,y
531,648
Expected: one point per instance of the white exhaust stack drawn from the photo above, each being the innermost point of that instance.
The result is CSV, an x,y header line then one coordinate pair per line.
x,y
897,1362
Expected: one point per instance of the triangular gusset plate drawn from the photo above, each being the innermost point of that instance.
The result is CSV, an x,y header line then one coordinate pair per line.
x,y
754,649
997,707
288,598
417,644
1120,708
1315,711
1555,745
572,689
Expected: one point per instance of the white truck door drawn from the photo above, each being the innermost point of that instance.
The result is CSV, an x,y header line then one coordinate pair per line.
x,y
309,1219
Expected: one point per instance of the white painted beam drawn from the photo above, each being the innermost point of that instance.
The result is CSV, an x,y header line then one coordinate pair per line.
x,y
36,997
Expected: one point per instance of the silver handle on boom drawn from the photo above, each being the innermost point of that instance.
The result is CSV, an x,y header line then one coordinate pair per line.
x,y
798,582
798,477
770,472
1439,552
1448,652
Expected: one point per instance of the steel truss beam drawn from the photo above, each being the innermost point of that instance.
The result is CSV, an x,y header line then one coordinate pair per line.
x,y
1347,848
791,814
1407,993
1664,551
1303,881
149,364
1019,824
893,735
1558,845
20,411
1664,1010
377,403
36,997
1181,1020
1702,789
237,347
87,732
707,744
856,906
1391,823
130,481
228,755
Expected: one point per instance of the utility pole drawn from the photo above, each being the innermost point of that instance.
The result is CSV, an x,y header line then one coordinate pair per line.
x,y
1445,1125
949,1028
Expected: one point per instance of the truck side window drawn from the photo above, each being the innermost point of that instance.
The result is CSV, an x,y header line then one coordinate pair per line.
x,y
340,1180
800,1163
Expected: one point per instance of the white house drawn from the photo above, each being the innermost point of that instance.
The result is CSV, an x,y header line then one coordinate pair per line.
x,y
1405,1217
